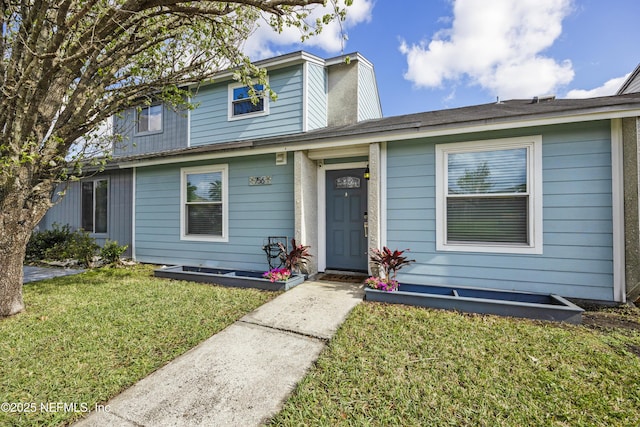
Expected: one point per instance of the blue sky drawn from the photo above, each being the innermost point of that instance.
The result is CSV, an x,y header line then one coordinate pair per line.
x,y
437,54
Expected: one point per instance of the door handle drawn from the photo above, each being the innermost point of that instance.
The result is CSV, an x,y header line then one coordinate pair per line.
x,y
366,225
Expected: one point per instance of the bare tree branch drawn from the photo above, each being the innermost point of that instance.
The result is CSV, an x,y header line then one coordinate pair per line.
x,y
67,65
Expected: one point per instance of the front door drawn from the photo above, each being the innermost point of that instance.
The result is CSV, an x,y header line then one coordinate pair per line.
x,y
346,219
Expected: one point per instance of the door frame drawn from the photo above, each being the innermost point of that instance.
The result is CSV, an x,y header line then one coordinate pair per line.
x,y
322,205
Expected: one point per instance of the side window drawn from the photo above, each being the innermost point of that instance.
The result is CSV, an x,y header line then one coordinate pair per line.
x,y
150,119
95,205
204,203
241,105
489,196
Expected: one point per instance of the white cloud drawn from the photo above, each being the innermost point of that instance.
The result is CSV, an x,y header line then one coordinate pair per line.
x,y
265,42
610,87
496,44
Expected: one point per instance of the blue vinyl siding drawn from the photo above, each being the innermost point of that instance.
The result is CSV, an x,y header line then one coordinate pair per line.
x,y
368,100
577,259
174,134
210,124
255,212
316,97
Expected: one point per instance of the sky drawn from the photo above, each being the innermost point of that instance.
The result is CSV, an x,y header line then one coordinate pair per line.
x,y
438,54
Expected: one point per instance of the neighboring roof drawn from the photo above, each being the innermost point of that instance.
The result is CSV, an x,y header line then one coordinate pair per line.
x,y
478,118
632,84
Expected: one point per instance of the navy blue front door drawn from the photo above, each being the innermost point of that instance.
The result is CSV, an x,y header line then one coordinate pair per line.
x,y
346,212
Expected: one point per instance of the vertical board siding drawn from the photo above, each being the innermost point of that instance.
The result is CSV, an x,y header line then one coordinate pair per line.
x,y
577,259
67,210
317,96
120,208
210,124
368,100
174,134
255,212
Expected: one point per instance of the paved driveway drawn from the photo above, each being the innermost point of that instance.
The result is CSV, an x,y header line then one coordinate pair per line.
x,y
33,274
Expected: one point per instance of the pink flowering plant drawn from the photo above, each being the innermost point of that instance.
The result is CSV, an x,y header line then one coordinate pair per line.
x,y
277,275
382,284
388,263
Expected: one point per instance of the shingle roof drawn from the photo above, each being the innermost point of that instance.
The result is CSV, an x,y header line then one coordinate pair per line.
x,y
500,112
503,113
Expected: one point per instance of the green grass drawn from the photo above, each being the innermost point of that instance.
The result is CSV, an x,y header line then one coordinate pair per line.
x,y
86,338
398,365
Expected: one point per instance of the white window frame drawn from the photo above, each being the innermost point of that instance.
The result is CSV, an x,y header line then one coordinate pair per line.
x,y
94,182
230,115
533,144
139,115
224,169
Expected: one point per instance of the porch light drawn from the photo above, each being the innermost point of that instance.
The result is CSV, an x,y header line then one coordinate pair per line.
x,y
366,173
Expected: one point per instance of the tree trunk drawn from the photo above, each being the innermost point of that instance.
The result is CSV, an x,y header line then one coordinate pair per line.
x,y
12,250
19,214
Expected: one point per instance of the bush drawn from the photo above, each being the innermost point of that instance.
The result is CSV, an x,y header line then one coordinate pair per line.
x,y
60,244
47,244
82,247
111,252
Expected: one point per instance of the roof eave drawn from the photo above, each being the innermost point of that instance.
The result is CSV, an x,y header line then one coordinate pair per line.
x,y
274,63
412,130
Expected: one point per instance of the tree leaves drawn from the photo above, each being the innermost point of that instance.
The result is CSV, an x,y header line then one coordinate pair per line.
x,y
67,66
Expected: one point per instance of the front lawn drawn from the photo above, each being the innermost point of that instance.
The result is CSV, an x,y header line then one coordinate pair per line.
x,y
399,365
88,337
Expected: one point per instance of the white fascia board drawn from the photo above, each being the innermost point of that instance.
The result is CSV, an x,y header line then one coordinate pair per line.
x,y
233,153
617,196
133,213
355,56
269,64
305,97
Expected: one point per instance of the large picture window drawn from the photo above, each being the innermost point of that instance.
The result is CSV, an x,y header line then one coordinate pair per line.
x,y
241,105
150,119
95,205
204,203
488,196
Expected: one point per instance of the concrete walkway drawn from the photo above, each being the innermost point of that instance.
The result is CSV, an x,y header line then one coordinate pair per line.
x,y
242,375
33,274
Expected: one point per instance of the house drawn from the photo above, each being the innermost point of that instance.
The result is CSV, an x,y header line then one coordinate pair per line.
x,y
631,84
535,195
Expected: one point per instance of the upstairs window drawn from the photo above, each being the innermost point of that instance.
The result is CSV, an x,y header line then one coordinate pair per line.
x,y
488,196
150,119
241,105
95,205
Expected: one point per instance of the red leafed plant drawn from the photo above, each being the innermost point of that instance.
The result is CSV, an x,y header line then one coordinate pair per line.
x,y
297,257
389,262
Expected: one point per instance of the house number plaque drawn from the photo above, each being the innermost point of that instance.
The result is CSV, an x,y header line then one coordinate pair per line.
x,y
348,182
260,180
